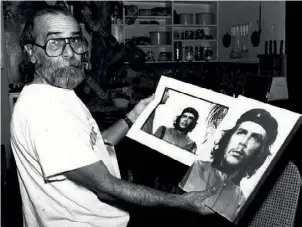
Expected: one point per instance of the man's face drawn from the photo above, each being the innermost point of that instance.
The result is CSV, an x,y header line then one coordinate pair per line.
x,y
185,120
246,140
65,70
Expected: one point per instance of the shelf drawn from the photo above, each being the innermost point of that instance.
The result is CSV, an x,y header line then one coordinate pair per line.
x,y
154,46
194,2
183,61
149,17
160,3
192,25
195,40
165,23
241,60
160,62
177,26
147,26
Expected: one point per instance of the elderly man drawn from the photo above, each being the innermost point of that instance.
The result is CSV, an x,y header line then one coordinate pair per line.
x,y
238,154
178,135
67,176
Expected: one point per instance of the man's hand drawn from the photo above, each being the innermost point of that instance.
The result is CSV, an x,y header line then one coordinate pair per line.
x,y
139,108
194,201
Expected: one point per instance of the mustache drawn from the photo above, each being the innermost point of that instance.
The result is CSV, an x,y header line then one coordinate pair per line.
x,y
66,73
68,63
238,151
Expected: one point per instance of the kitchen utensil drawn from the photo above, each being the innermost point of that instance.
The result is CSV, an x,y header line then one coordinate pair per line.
x,y
233,40
256,34
266,48
281,47
275,47
160,38
226,40
204,18
186,18
270,48
245,40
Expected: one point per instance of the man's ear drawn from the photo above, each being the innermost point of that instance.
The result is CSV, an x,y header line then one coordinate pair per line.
x,y
30,52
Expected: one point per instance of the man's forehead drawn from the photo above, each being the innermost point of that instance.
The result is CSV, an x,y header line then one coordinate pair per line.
x,y
55,23
252,127
188,114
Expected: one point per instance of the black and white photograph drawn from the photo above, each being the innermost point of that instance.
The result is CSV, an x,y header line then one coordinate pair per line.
x,y
181,120
184,121
142,113
247,144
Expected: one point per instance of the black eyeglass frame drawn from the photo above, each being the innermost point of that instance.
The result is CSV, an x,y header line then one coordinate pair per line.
x,y
68,38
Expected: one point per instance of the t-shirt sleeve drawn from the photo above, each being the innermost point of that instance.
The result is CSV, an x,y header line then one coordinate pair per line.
x,y
61,143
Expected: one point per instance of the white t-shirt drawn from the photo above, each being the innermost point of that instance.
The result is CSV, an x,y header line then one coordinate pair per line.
x,y
53,132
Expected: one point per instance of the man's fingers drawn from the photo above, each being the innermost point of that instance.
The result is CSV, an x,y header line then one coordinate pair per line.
x,y
148,100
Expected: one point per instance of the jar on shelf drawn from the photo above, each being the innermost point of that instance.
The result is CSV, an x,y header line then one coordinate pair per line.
x,y
189,55
208,53
189,35
163,56
177,51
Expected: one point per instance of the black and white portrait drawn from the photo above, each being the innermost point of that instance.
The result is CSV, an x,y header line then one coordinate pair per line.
x,y
244,146
180,120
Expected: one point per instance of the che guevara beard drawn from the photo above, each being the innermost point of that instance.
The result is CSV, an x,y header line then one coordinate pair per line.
x,y
66,74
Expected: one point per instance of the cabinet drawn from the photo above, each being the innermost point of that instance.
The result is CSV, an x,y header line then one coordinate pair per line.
x,y
158,26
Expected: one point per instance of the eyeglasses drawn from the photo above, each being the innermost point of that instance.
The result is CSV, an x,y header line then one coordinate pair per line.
x,y
55,47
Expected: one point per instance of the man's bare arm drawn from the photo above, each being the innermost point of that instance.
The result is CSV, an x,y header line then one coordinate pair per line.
x,y
97,178
117,131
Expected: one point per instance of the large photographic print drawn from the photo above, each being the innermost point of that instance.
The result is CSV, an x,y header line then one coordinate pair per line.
x,y
244,149
181,120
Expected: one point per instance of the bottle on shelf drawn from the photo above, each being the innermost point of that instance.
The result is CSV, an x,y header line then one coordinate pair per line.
x,y
178,51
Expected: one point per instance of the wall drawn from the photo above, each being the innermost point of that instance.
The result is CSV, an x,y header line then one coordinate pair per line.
x,y
5,114
242,12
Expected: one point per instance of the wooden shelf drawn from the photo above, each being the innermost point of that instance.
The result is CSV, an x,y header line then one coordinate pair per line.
x,y
195,40
154,46
150,17
166,24
193,25
160,62
147,26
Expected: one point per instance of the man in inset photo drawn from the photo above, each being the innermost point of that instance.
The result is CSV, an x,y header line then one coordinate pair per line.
x,y
240,152
178,135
